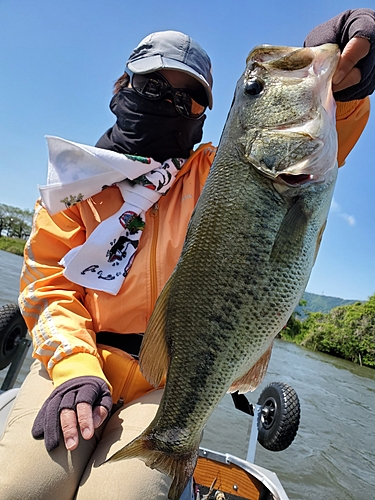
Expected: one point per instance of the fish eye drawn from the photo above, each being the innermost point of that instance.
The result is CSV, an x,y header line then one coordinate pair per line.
x,y
253,86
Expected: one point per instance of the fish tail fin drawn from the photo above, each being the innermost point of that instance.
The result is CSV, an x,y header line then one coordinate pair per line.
x,y
134,449
179,468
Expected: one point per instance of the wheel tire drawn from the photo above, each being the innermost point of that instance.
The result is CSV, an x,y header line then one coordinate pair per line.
x,y
280,416
12,330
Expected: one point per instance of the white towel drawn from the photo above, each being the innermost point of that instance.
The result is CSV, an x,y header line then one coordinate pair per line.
x,y
76,172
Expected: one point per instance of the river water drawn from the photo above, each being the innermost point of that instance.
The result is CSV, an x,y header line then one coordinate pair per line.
x,y
333,455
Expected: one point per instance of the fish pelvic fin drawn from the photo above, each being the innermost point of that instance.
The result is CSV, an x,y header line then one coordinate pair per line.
x,y
154,355
178,467
251,379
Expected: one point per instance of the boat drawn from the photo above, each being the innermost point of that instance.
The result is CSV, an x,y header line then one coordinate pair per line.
x,y
217,476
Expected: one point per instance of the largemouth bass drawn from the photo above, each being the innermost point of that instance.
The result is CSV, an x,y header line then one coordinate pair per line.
x,y
250,247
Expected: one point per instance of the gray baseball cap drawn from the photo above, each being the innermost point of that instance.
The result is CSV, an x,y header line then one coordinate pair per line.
x,y
173,50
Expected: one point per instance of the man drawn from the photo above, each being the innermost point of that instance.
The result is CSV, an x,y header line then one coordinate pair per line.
x,y
87,316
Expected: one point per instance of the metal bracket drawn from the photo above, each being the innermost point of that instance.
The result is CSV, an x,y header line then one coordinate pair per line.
x,y
15,367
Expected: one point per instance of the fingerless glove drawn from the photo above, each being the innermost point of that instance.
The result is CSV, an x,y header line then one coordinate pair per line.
x,y
341,29
91,390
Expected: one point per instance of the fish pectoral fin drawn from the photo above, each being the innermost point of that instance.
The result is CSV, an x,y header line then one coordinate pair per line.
x,y
154,354
291,234
179,469
251,379
319,240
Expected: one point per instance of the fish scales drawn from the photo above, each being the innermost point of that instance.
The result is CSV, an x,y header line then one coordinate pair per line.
x,y
250,246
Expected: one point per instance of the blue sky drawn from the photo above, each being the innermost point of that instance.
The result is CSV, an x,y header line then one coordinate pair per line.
x,y
59,59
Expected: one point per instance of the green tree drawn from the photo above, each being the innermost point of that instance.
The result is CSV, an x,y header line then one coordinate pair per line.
x,y
347,332
15,222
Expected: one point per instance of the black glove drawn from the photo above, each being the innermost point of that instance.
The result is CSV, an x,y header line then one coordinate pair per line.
x,y
341,29
91,390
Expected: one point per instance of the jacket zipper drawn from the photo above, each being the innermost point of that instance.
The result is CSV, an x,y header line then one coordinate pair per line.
x,y
153,277
153,273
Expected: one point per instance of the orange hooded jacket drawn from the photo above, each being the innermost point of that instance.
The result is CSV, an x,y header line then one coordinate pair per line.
x,y
63,317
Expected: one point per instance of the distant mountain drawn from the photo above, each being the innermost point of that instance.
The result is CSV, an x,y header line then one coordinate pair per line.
x,y
321,303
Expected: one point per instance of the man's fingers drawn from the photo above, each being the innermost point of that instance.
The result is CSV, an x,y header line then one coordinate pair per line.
x,y
68,422
85,420
352,78
355,50
99,415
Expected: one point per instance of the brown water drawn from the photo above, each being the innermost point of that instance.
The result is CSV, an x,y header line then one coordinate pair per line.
x,y
333,455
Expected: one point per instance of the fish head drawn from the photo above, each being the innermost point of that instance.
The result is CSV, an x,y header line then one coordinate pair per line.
x,y
285,113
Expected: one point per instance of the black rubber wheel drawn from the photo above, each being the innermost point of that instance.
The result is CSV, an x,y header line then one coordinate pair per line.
x,y
12,330
280,416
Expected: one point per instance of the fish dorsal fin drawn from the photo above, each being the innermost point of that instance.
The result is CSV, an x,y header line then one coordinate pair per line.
x,y
154,355
251,379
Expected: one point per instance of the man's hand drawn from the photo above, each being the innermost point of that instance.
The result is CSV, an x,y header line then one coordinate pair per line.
x,y
354,32
81,403
347,74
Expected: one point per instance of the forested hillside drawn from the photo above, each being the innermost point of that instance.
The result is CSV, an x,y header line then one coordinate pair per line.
x,y
347,331
320,303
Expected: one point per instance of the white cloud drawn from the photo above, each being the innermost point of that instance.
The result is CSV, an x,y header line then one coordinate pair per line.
x,y
335,208
349,219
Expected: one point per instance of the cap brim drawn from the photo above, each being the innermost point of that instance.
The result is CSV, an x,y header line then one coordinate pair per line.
x,y
154,63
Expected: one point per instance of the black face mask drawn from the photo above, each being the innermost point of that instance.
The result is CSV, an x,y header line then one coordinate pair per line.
x,y
150,128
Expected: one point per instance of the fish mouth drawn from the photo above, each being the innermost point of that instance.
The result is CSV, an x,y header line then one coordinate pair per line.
x,y
287,182
299,149
295,179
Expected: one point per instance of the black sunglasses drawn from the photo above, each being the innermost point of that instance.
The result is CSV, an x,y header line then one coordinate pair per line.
x,y
154,86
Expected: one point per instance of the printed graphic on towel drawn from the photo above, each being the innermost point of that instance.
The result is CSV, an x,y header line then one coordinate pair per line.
x,y
118,258
122,247
155,179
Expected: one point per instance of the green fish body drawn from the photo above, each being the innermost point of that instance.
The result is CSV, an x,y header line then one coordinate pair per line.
x,y
248,254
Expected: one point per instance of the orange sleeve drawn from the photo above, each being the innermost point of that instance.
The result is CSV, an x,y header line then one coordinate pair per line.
x,y
351,119
52,306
